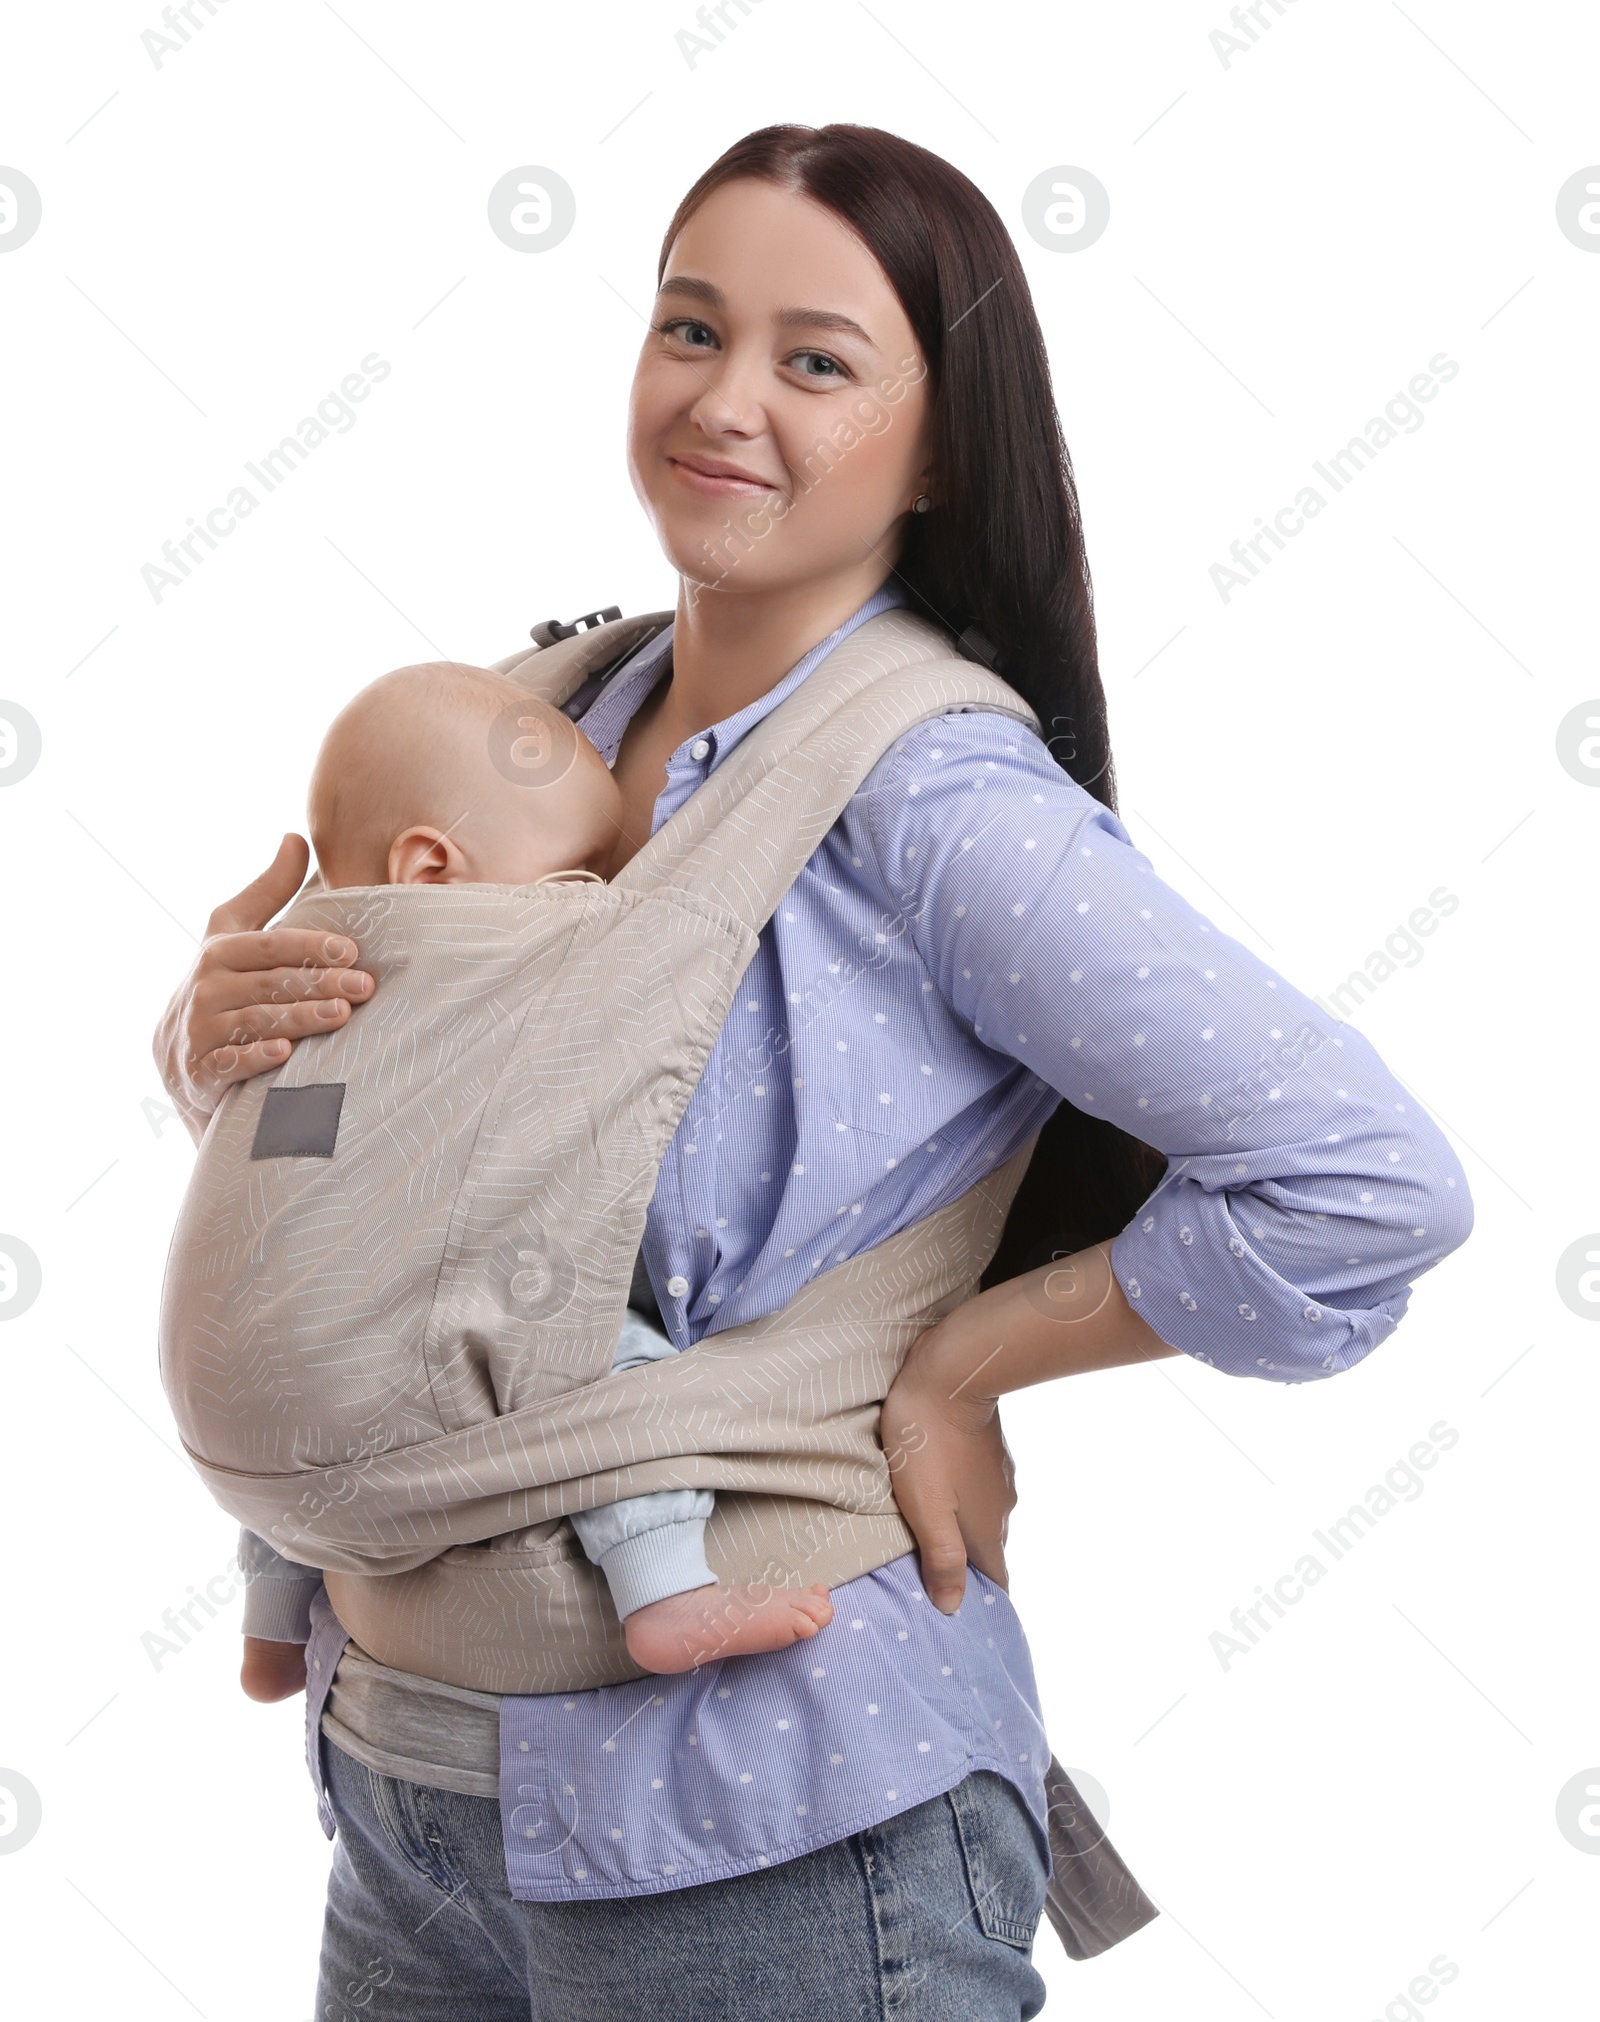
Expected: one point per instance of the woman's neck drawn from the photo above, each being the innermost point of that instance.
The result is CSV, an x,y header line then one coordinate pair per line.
x,y
729,647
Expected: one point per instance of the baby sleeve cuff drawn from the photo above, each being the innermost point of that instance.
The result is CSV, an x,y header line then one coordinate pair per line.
x,y
279,1611
656,1564
278,1592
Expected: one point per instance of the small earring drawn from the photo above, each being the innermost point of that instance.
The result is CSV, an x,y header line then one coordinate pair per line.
x,y
921,503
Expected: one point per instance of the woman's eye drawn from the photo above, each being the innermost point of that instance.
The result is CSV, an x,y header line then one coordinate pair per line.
x,y
694,335
806,361
688,332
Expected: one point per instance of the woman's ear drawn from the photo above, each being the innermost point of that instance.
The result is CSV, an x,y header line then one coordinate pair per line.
x,y
426,856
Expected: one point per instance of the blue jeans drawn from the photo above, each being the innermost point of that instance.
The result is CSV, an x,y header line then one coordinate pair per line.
x,y
928,1917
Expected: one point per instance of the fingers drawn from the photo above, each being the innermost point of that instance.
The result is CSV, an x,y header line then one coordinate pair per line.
x,y
219,1069
254,992
941,1549
233,1011
282,948
228,1064
988,1556
268,894
921,1477
224,993
242,1042
944,1570
283,952
985,1515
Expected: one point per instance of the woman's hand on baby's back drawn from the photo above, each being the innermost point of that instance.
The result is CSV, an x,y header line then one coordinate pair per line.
x,y
253,993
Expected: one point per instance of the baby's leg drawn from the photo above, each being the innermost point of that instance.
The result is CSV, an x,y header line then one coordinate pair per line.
x,y
684,1630
651,1549
277,1619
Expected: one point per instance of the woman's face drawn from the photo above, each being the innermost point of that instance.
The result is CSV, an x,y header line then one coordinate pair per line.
x,y
778,425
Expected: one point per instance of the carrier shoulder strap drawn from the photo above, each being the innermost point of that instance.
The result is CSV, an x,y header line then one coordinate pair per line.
x,y
740,841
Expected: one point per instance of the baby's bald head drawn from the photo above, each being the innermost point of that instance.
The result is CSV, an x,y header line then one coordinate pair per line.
x,y
444,773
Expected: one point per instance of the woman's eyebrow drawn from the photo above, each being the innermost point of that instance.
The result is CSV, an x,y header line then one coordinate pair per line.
x,y
711,295
822,319
696,289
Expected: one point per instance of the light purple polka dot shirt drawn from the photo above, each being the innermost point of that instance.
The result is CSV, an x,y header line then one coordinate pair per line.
x,y
976,938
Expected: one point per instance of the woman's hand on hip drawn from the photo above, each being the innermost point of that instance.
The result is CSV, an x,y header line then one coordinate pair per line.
x,y
953,1477
252,994
952,1471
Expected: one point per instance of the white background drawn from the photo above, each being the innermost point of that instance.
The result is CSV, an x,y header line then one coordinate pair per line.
x,y
1294,233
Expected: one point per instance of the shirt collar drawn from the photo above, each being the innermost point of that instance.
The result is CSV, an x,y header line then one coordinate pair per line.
x,y
612,710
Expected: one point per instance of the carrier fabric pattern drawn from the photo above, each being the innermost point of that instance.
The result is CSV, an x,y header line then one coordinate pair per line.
x,y
409,1284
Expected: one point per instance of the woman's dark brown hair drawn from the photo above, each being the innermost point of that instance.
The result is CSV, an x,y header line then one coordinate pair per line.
x,y
1002,551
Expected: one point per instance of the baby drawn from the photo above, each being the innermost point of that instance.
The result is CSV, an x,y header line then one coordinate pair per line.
x,y
444,774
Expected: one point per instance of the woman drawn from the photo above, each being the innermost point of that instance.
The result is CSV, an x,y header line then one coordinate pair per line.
x,y
843,404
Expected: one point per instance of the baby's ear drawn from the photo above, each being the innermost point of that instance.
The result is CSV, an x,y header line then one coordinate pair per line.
x,y
425,856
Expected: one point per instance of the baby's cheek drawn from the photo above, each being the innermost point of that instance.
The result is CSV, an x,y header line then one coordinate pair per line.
x,y
591,801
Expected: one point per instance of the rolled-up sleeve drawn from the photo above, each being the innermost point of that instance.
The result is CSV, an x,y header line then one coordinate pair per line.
x,y
1305,1189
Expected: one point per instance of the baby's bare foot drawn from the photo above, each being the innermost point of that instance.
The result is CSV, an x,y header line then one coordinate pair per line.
x,y
711,1622
272,1670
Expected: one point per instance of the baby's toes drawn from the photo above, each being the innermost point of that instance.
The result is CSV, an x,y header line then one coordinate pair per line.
x,y
813,1610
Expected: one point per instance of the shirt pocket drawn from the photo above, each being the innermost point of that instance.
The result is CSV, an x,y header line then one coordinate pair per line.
x,y
1005,1864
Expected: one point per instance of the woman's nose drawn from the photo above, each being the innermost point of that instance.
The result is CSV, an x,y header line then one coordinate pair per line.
x,y
731,401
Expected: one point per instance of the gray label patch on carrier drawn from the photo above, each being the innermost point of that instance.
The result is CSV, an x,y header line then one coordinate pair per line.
x,y
299,1122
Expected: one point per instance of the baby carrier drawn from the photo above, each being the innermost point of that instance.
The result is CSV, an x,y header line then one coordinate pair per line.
x,y
403,1260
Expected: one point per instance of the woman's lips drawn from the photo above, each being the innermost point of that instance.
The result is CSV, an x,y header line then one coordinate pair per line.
x,y
711,482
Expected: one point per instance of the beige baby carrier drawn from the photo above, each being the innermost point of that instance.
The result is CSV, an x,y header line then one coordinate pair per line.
x,y
403,1261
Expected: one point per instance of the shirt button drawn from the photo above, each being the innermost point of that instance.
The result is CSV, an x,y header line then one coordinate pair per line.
x,y
676,1287
700,748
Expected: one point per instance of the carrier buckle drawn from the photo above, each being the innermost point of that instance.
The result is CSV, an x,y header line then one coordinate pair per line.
x,y
552,629
976,645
